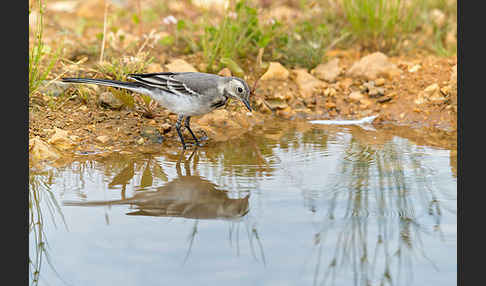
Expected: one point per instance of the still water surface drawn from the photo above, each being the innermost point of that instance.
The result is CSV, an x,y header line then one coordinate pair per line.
x,y
305,205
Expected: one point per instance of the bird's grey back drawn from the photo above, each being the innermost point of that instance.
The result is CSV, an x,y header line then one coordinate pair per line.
x,y
200,82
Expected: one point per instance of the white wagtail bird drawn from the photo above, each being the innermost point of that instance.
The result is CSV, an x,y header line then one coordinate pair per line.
x,y
184,93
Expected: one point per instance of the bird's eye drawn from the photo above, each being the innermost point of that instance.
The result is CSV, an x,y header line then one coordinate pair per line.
x,y
239,89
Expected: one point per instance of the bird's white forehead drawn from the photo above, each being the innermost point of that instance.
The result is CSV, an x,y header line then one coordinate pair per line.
x,y
238,83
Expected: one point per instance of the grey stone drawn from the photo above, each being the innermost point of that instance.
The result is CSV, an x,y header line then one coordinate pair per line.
x,y
376,92
328,71
108,100
373,66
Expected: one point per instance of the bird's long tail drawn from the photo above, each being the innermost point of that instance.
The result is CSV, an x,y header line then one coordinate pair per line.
x,y
132,86
96,203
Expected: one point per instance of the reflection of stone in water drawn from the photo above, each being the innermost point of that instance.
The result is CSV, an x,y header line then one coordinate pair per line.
x,y
185,196
374,139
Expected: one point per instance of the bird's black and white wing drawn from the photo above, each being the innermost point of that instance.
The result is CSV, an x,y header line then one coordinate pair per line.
x,y
184,83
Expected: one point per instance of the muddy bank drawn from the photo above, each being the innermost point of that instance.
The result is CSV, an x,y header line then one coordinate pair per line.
x,y
419,92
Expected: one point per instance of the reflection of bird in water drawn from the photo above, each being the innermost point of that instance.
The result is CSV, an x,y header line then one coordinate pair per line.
x,y
186,196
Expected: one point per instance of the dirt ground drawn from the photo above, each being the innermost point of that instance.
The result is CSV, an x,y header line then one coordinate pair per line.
x,y
90,119
87,121
75,124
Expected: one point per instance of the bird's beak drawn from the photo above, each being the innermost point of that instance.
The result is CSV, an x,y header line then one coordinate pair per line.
x,y
247,104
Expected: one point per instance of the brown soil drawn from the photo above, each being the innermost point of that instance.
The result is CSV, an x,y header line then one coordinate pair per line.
x,y
87,121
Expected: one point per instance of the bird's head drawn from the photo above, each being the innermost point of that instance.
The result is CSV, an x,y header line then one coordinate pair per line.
x,y
238,89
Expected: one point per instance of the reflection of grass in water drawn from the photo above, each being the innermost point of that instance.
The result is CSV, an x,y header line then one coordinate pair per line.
x,y
375,182
234,231
41,200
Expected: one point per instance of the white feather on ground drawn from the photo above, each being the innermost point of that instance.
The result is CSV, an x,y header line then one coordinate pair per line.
x,y
365,120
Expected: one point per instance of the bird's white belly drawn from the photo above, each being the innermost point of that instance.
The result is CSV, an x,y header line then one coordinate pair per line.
x,y
181,104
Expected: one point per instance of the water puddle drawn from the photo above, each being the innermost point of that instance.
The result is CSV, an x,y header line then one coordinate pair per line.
x,y
289,205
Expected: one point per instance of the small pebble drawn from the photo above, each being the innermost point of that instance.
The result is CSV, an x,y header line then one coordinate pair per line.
x,y
355,95
108,100
414,68
380,81
103,139
166,127
365,87
376,92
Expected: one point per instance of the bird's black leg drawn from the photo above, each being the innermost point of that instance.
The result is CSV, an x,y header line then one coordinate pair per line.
x,y
178,164
186,163
187,123
178,128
